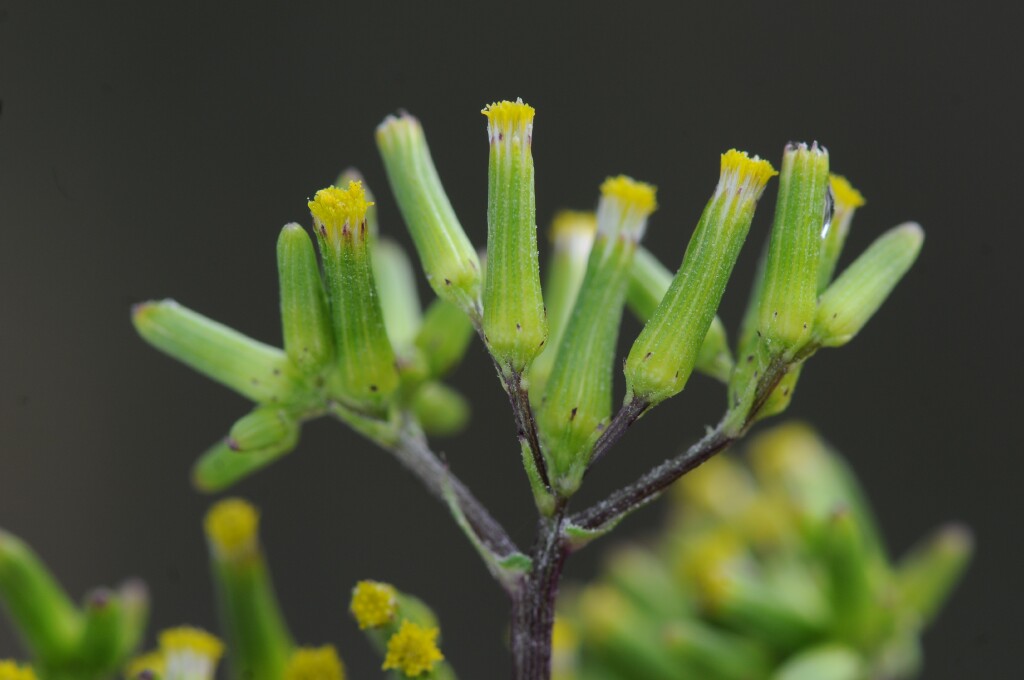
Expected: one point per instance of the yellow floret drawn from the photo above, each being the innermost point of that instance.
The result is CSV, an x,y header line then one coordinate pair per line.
x,y
232,526
634,195
740,168
846,196
709,564
568,223
413,650
373,604
508,115
190,640
12,670
153,662
315,663
563,636
334,209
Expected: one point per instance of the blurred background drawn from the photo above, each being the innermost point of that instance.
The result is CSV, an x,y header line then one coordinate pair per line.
x,y
154,150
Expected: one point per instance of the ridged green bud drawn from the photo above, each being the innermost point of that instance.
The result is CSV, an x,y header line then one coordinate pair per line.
x,y
860,290
845,201
250,617
365,374
399,298
927,575
663,356
825,662
103,617
449,260
577,401
305,320
790,293
250,447
514,324
255,370
47,621
572,236
851,577
649,280
443,337
440,410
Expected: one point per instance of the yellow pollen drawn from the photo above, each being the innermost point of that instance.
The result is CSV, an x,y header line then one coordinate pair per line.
x,y
232,526
754,171
12,670
373,604
846,196
571,222
153,662
334,207
633,194
509,115
315,663
194,640
413,650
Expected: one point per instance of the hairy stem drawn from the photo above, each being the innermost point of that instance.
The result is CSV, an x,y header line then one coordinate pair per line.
x,y
627,415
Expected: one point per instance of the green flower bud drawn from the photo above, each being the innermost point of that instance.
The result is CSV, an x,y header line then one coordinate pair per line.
x,y
440,409
716,653
305,319
250,447
929,572
399,298
45,618
444,337
449,260
572,236
255,370
365,375
860,290
514,324
649,280
250,617
663,356
845,201
852,574
825,662
790,293
577,400
101,645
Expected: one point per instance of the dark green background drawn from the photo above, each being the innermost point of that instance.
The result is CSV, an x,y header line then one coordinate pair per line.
x,y
155,149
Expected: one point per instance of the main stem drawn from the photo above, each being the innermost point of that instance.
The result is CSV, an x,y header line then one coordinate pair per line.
x,y
533,602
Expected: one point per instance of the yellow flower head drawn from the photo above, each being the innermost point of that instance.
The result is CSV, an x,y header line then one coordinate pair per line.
x,y
741,174
338,212
189,653
509,122
12,670
624,207
373,604
315,663
232,527
413,650
846,196
153,662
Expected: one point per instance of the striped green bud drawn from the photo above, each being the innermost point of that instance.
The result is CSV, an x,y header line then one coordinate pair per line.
x,y
250,617
649,280
255,370
860,290
305,319
255,441
101,646
47,621
572,236
663,356
440,409
577,401
926,576
790,293
365,374
399,298
444,337
514,324
449,260
845,201
825,662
